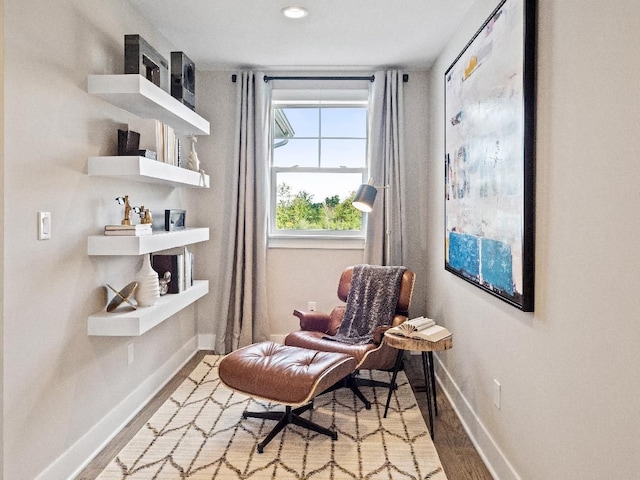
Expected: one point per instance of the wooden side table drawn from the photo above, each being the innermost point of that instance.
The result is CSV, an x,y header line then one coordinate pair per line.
x,y
426,348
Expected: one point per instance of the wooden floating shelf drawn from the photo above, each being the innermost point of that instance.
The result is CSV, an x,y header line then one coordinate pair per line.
x,y
139,245
137,95
142,169
132,323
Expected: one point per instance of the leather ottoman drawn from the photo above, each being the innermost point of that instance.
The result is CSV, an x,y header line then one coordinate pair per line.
x,y
283,374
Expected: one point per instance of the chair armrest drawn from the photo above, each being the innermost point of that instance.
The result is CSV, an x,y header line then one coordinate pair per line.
x,y
378,333
315,321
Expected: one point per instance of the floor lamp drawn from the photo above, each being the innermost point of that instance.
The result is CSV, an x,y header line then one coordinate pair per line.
x,y
364,200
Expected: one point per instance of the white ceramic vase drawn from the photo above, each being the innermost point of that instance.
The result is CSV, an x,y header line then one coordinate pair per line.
x,y
148,290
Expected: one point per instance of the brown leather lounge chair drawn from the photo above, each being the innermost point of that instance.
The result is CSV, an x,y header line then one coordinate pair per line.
x,y
316,329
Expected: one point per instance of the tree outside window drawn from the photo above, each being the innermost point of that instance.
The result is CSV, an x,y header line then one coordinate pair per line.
x,y
318,161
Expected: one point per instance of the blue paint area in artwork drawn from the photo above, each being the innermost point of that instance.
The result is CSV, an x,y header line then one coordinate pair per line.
x,y
464,254
497,263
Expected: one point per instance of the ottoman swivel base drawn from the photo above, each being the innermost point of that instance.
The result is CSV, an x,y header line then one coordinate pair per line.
x,y
290,415
291,376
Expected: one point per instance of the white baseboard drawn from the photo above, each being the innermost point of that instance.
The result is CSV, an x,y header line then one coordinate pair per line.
x,y
75,458
207,341
493,457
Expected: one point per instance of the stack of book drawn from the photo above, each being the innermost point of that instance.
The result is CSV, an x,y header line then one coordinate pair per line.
x,y
130,230
179,262
421,328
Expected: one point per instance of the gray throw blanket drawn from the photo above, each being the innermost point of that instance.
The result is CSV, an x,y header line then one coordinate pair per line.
x,y
371,302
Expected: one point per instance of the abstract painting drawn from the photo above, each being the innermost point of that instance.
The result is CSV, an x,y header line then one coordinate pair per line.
x,y
489,156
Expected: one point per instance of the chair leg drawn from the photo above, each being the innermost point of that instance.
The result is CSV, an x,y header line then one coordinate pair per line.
x,y
366,382
353,385
352,382
290,415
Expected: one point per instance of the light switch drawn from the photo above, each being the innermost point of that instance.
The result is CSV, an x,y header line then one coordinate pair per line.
x,y
44,225
497,391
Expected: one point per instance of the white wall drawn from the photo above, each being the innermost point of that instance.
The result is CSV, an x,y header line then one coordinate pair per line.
x,y
2,240
216,100
568,371
296,277
65,392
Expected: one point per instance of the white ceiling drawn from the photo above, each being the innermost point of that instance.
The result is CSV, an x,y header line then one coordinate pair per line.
x,y
337,34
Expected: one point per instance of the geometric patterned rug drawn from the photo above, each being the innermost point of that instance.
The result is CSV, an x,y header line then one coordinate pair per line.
x,y
199,434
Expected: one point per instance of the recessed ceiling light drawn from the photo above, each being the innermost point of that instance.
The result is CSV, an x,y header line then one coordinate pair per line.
x,y
295,12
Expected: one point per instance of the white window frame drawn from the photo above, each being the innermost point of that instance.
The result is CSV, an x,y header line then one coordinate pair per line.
x,y
315,238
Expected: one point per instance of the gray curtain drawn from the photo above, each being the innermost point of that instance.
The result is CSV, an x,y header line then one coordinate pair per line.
x,y
385,224
244,285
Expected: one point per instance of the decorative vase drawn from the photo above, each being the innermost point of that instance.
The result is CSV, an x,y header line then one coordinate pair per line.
x,y
148,290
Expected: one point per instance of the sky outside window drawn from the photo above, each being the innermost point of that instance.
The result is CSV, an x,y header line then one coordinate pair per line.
x,y
327,137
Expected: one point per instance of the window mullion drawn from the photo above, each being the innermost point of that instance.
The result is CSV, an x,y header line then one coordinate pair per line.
x,y
319,137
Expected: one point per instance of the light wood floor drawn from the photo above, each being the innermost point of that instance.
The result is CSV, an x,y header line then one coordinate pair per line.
x,y
457,454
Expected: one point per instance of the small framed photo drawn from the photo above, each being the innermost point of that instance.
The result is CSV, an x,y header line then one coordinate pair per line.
x,y
174,220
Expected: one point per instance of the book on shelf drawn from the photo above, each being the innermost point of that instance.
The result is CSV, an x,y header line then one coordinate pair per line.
x,y
177,261
157,137
130,230
421,328
173,264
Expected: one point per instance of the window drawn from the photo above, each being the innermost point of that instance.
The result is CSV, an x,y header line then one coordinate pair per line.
x,y
319,159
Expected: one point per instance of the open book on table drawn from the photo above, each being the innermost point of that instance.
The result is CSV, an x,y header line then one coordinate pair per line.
x,y
421,328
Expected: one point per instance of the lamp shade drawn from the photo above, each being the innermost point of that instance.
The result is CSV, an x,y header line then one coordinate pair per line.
x,y
365,196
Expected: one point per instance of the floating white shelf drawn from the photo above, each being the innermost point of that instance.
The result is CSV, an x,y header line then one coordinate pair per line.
x,y
141,169
139,96
131,323
132,245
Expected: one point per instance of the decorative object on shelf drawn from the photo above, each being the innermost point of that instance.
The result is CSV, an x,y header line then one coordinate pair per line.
x,y
128,230
174,220
164,283
150,154
122,296
490,164
179,262
148,290
128,142
183,79
142,59
193,163
126,219
129,145
145,215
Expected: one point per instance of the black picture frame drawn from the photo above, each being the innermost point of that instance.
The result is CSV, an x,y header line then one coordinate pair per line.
x,y
174,220
490,156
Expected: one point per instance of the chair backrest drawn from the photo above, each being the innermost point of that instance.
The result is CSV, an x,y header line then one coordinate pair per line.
x,y
404,297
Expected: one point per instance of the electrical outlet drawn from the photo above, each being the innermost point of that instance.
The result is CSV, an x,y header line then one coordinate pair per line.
x,y
311,306
497,390
130,353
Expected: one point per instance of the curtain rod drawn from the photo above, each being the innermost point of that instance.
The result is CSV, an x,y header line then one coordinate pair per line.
x,y
370,78
405,78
